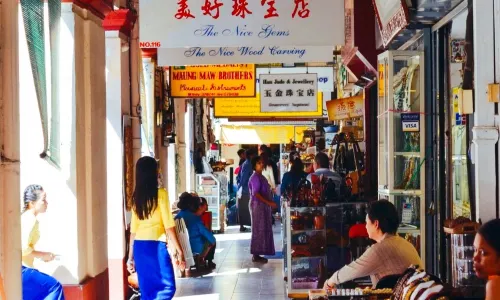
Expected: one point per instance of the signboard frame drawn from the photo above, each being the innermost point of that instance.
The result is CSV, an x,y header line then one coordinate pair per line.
x,y
255,113
287,77
171,69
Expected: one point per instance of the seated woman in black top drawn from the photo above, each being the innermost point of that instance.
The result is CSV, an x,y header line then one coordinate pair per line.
x,y
292,178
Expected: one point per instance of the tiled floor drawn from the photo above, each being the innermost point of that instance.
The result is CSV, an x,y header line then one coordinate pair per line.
x,y
236,276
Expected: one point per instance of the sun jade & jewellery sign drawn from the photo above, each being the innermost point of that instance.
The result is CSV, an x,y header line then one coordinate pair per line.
x,y
241,31
235,80
288,92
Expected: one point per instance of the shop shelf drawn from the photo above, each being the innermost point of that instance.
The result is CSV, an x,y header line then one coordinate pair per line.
x,y
401,149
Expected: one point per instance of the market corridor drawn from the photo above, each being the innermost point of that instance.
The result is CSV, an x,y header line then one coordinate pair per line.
x,y
236,276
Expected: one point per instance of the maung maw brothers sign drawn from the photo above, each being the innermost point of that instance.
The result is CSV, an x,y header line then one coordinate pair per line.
x,y
236,80
242,31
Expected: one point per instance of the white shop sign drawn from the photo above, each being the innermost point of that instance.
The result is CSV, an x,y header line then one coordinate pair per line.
x,y
288,92
242,55
236,23
326,76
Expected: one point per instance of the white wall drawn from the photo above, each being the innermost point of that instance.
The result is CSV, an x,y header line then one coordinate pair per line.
x,y
57,226
74,229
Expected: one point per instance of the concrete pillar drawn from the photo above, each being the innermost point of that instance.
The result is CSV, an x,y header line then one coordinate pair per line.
x,y
148,104
189,141
135,64
91,142
117,104
181,158
10,232
485,132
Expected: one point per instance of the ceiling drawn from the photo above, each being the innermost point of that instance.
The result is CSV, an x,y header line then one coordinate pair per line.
x,y
423,13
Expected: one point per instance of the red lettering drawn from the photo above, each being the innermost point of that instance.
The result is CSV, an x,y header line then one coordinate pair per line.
x,y
272,12
208,8
149,44
301,9
183,11
240,8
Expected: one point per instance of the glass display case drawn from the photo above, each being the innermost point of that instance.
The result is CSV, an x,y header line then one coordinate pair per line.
x,y
462,265
208,187
346,235
318,241
401,140
305,249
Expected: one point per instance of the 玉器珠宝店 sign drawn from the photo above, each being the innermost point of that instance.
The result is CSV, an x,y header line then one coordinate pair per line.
x,y
241,30
237,80
288,92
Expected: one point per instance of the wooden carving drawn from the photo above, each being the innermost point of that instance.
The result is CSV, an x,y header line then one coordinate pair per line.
x,y
129,166
392,17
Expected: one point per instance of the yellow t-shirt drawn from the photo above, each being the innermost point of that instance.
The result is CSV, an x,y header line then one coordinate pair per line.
x,y
153,228
30,234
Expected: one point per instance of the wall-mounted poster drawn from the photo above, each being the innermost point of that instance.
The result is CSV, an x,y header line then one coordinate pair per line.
x,y
457,51
392,17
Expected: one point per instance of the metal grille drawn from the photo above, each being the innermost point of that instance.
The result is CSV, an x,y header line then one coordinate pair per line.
x,y
33,19
34,25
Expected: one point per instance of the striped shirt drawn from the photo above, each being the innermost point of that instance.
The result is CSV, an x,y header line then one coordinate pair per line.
x,y
391,256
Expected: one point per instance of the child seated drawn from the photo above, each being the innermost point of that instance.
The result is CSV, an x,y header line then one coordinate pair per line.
x,y
201,239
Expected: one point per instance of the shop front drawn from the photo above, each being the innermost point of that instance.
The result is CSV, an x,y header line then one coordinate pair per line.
x,y
425,132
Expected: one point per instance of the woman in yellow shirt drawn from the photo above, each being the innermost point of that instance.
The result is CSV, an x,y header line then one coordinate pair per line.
x,y
36,285
152,221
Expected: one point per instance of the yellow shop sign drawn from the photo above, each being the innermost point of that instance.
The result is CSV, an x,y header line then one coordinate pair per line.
x,y
250,108
346,108
211,81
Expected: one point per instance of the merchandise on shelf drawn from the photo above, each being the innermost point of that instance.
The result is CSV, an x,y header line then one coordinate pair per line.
x,y
319,240
401,142
209,187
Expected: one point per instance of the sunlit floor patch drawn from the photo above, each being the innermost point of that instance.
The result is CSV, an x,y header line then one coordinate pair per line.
x,y
197,297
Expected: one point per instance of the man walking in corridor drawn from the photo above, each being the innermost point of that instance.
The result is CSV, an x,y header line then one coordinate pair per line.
x,y
244,194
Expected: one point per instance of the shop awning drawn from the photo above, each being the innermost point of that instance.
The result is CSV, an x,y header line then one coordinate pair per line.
x,y
249,134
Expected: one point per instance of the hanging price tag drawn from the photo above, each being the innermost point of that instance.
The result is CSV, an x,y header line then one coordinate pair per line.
x,y
410,122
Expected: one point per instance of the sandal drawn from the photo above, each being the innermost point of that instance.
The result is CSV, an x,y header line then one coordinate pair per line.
x,y
259,259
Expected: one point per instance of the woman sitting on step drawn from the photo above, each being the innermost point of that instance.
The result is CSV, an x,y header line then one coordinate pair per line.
x,y
36,285
202,241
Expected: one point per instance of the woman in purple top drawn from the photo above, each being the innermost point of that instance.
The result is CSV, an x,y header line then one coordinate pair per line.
x,y
261,204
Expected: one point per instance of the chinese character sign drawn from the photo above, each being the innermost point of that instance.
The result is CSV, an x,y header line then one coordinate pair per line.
x,y
236,23
346,108
288,92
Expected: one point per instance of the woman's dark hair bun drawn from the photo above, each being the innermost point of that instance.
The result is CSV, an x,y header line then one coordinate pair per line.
x,y
31,193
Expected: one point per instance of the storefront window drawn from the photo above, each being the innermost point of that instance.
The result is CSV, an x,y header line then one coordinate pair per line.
x,y
458,118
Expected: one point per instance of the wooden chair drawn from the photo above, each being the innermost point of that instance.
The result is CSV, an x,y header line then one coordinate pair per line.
x,y
183,237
